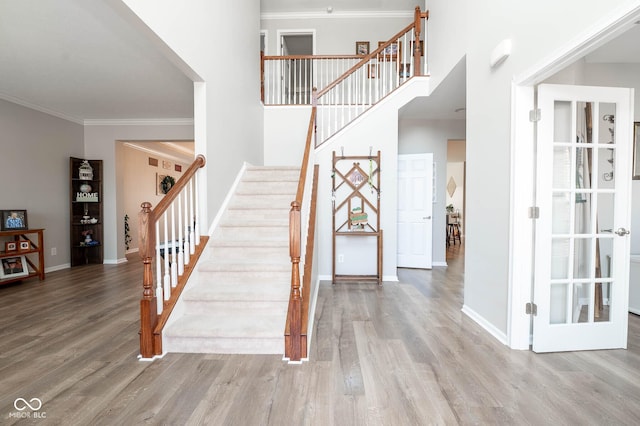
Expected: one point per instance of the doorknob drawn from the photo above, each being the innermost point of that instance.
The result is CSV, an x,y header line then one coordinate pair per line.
x,y
622,232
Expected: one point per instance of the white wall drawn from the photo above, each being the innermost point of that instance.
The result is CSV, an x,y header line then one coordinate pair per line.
x,y
335,34
34,166
285,134
420,136
378,128
538,30
100,143
220,42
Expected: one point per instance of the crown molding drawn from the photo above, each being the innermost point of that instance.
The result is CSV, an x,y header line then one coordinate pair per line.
x,y
346,14
39,108
140,122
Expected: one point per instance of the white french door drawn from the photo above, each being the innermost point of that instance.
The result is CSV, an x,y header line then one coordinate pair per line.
x,y
415,210
583,194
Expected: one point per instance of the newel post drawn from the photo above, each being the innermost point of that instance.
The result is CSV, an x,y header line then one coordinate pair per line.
x,y
295,309
417,52
148,310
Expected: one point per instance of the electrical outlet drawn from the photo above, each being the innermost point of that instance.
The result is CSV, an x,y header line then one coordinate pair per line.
x,y
341,258
54,251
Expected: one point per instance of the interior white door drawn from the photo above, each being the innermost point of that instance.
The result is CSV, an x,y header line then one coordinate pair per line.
x,y
583,185
415,209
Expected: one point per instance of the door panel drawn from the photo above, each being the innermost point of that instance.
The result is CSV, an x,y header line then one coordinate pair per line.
x,y
415,187
583,192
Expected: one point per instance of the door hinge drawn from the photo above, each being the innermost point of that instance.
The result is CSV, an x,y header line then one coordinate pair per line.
x,y
531,309
534,115
534,212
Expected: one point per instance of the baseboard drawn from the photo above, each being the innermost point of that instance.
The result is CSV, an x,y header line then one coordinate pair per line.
x,y
227,199
490,328
439,264
133,250
57,268
390,278
634,311
115,261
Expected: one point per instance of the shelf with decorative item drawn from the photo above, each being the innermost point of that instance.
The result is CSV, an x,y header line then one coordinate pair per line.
x,y
85,186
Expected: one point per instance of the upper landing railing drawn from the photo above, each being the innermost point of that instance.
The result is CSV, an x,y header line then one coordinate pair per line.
x,y
346,86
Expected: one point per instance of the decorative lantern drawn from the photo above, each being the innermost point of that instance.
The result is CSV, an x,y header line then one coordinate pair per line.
x,y
85,171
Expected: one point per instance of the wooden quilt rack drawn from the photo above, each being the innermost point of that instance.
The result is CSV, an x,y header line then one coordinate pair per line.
x,y
356,206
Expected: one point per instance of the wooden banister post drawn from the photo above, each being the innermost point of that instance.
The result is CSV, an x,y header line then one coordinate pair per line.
x,y
417,52
148,312
295,306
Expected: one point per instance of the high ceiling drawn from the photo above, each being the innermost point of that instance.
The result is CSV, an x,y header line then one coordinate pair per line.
x,y
84,60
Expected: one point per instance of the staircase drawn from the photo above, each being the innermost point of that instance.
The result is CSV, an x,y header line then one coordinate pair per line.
x,y
236,300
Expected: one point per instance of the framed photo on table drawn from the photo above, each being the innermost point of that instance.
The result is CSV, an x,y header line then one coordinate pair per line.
x,y
13,267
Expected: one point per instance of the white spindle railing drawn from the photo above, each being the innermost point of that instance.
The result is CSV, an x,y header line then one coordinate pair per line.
x,y
375,77
169,239
289,80
347,85
171,253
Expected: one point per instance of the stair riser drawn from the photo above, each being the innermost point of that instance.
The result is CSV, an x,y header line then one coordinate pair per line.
x,y
280,188
252,233
255,254
247,307
223,345
236,278
270,176
260,202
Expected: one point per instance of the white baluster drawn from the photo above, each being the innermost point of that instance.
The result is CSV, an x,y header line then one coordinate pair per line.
x,y
180,240
197,210
167,270
187,227
174,248
159,296
192,235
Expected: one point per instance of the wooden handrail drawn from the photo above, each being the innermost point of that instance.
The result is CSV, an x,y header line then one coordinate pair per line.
x,y
149,345
364,60
307,152
169,198
293,57
375,53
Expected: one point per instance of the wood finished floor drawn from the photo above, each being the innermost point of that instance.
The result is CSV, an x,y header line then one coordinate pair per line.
x,y
400,354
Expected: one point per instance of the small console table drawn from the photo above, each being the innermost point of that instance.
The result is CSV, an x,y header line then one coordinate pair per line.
x,y
34,239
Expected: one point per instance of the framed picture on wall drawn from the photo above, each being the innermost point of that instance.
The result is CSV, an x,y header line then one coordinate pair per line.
x,y
13,220
362,48
391,52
